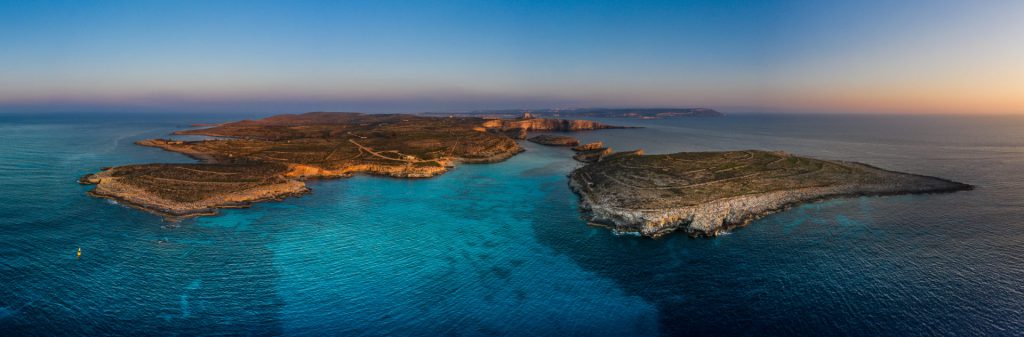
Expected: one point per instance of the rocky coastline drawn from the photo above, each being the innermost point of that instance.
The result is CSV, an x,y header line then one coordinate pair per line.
x,y
270,158
130,186
531,124
698,193
706,194
551,140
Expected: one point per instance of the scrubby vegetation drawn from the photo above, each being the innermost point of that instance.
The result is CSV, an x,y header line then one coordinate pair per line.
x,y
704,193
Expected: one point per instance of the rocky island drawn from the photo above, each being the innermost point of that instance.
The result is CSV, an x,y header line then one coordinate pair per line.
x,y
552,140
268,159
706,193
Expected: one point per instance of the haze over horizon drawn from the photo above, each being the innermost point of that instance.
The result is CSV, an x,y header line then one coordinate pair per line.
x,y
411,56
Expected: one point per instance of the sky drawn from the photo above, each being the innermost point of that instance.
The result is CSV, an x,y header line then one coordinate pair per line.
x,y
813,56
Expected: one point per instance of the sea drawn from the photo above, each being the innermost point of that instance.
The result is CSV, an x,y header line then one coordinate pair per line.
x,y
501,249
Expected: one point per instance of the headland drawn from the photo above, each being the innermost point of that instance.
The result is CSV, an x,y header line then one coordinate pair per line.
x,y
706,193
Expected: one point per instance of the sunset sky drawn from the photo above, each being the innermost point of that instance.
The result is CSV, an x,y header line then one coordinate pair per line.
x,y
408,56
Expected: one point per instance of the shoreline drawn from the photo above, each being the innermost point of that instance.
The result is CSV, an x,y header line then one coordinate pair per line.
x,y
271,158
709,218
727,227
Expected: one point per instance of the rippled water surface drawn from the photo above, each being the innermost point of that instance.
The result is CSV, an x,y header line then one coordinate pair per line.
x,y
501,250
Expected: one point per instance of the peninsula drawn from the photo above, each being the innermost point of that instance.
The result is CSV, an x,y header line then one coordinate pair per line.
x,y
268,159
706,193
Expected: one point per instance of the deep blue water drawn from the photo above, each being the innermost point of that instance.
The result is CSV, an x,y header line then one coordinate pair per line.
x,y
500,249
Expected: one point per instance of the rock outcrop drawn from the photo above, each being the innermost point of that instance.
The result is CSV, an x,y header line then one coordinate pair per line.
x,y
592,155
588,146
552,140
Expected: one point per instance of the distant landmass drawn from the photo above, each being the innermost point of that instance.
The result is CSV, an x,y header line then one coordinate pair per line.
x,y
643,113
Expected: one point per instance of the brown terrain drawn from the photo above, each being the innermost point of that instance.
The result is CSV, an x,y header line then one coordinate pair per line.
x,y
518,128
700,193
266,159
591,152
551,140
706,193
588,146
529,123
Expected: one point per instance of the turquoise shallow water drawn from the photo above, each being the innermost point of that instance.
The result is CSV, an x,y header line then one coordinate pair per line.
x,y
501,250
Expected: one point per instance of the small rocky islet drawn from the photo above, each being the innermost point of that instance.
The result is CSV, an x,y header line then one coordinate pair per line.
x,y
551,140
699,193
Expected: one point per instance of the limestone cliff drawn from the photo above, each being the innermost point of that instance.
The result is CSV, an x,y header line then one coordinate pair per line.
x,y
544,124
